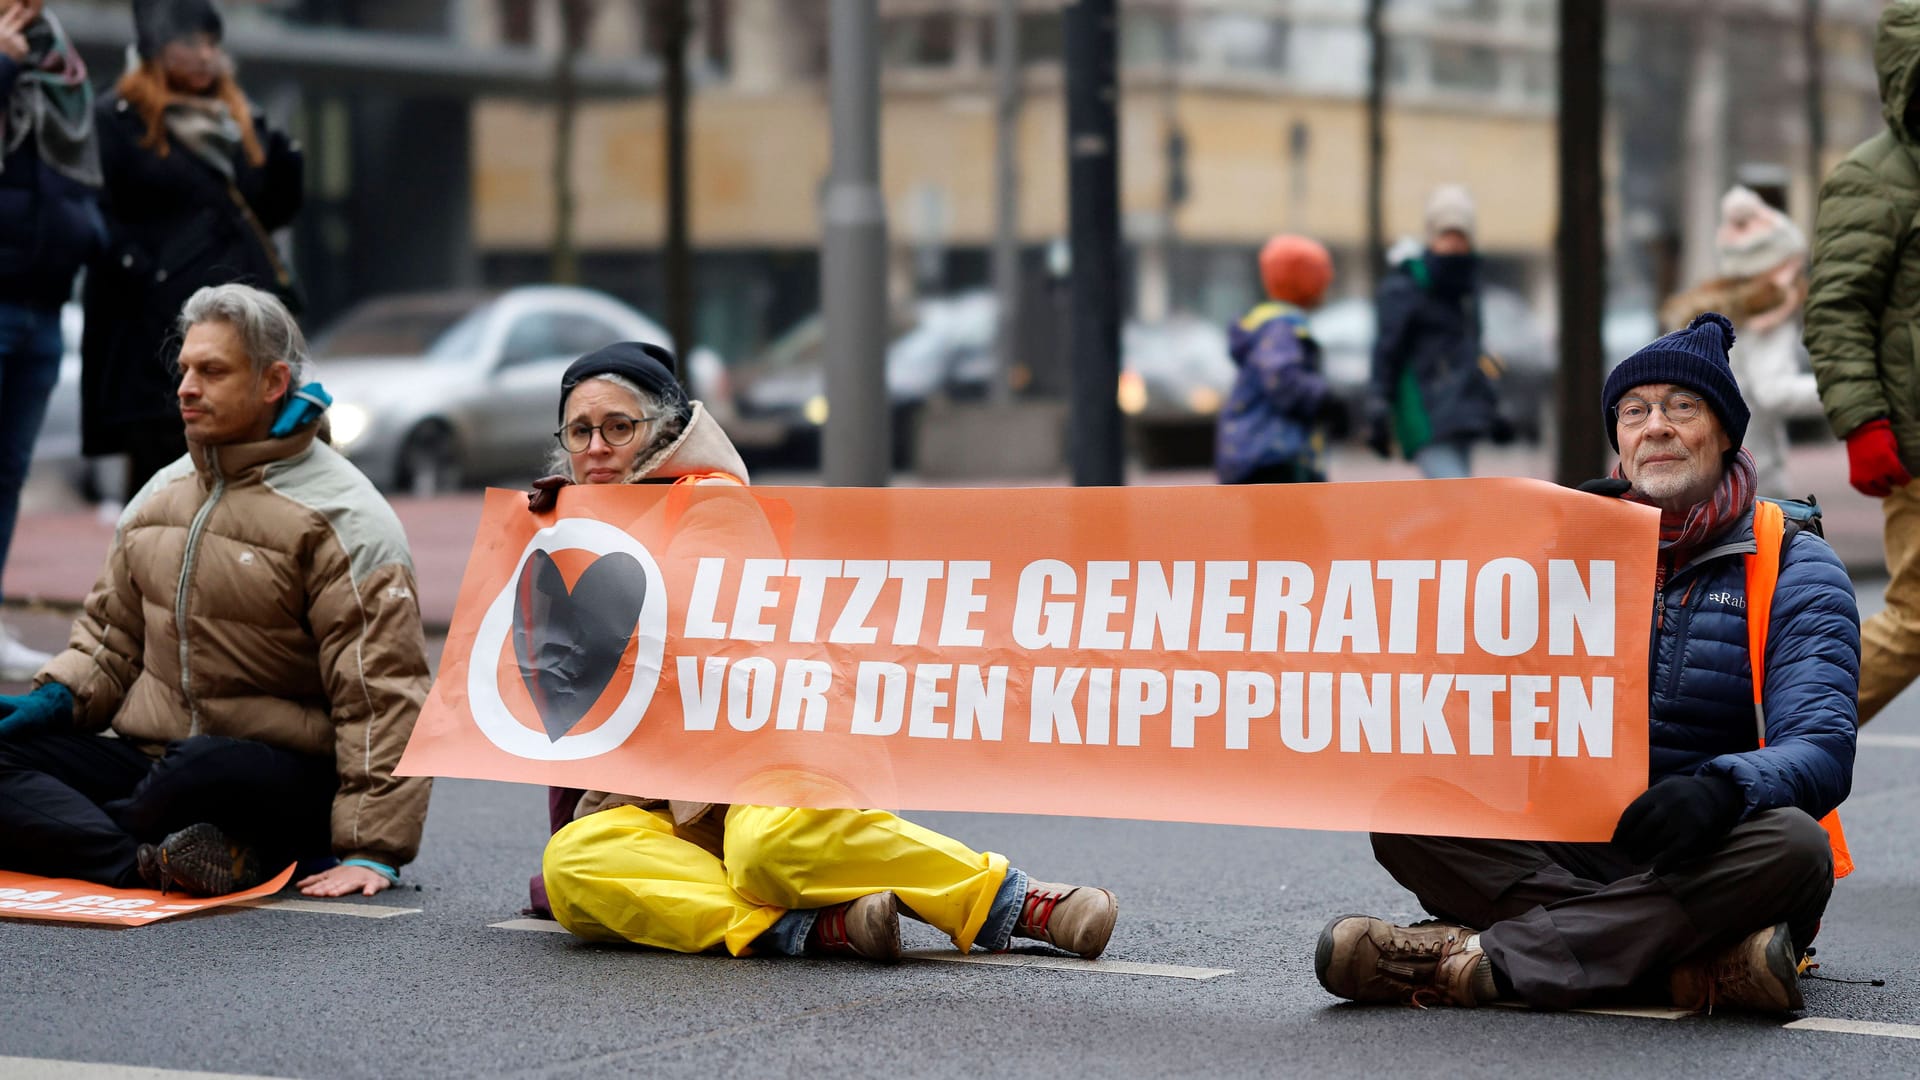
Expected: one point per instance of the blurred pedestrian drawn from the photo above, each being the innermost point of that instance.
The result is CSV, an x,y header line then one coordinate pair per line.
x,y
692,877
49,226
237,692
1432,388
1762,287
196,182
1275,426
1863,330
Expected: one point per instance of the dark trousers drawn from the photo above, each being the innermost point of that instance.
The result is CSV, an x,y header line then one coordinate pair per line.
x,y
77,806
152,445
1575,924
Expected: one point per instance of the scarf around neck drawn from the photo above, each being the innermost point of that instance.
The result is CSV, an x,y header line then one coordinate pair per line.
x,y
52,103
206,127
1683,535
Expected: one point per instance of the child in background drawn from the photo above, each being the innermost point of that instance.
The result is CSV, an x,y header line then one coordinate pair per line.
x,y
1275,427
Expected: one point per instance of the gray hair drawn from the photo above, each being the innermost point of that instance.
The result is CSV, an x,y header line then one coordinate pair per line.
x,y
560,463
268,331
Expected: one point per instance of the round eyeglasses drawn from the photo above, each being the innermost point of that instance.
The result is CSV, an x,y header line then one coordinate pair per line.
x,y
1680,408
615,430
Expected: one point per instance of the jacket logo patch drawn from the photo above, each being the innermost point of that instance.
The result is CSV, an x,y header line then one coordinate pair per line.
x,y
1728,599
569,652
246,558
399,592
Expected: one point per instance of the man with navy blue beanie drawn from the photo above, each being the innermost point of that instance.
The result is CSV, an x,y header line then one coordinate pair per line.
x,y
1716,877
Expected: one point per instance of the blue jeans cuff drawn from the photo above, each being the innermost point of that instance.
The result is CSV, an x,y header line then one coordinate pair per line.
x,y
1004,915
788,936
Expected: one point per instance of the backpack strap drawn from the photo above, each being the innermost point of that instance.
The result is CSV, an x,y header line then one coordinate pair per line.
x,y
1763,573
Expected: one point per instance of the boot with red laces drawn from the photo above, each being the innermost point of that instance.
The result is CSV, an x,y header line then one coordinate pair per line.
x,y
868,928
1076,918
1366,959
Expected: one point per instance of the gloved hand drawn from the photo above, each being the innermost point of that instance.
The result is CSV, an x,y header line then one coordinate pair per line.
x,y
1333,416
1873,460
1607,487
1678,819
546,493
46,706
1380,428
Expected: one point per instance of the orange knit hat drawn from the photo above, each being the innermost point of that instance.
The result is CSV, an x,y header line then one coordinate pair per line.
x,y
1296,270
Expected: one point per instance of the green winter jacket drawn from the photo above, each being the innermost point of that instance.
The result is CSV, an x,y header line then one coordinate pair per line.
x,y
1863,305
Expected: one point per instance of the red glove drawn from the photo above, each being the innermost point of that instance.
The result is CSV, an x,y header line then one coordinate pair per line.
x,y
1873,459
546,492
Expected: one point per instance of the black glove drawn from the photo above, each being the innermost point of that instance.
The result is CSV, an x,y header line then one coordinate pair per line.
x,y
1679,819
1333,416
1607,487
546,493
1380,428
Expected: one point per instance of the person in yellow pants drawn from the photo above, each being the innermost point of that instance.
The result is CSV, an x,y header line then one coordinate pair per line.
x,y
757,879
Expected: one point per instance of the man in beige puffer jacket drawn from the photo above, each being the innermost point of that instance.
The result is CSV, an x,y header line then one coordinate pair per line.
x,y
254,645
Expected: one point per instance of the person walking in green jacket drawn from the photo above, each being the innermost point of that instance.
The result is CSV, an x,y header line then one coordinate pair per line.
x,y
1863,310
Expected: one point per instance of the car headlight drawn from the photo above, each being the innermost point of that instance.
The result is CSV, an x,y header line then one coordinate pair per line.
x,y
815,410
349,423
1204,400
1132,392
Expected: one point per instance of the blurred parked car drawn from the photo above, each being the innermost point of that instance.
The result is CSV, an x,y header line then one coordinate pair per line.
x,y
938,346
1509,331
434,390
1175,375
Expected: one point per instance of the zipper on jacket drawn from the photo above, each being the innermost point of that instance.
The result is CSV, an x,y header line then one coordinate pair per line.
x,y
186,576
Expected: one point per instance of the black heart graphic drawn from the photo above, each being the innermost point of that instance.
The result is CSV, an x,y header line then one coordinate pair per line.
x,y
569,643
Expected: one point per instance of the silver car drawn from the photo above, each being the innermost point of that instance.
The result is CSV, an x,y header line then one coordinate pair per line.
x,y
435,390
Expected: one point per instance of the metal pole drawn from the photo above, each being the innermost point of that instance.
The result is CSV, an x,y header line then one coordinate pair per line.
x,y
1816,101
1582,452
1376,140
853,264
679,254
1093,187
1006,239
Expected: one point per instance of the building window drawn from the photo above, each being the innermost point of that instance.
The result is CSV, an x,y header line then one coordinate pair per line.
x,y
516,22
1471,68
1147,37
1476,10
1237,41
920,41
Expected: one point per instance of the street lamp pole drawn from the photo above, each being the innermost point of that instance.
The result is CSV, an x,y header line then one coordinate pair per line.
x,y
1093,186
855,447
1582,453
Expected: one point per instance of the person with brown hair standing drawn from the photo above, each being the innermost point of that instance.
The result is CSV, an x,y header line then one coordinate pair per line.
x,y
195,183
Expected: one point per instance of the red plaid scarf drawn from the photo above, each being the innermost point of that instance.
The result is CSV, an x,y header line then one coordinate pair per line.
x,y
1684,533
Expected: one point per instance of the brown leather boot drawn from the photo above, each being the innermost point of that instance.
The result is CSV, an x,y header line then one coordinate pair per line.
x,y
1076,918
868,928
1366,959
199,860
1759,974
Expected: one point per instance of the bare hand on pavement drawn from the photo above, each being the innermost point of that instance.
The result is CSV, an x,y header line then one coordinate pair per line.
x,y
344,880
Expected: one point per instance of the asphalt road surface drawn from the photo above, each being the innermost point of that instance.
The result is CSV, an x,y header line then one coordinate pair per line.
x,y
438,991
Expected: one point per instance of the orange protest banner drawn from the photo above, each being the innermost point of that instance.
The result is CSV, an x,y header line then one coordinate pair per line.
x,y
1462,657
24,896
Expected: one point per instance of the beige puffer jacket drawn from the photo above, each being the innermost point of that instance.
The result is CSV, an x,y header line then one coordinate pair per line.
x,y
264,591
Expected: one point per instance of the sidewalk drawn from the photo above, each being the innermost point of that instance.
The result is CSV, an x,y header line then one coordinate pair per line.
x,y
57,554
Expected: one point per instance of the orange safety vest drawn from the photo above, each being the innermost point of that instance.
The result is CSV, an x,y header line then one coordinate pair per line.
x,y
1763,573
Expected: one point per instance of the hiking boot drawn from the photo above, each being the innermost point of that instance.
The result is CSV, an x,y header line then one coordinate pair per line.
x,y
1075,918
199,860
868,928
1759,974
1366,959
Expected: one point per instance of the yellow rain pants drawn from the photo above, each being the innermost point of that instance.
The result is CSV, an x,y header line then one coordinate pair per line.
x,y
625,874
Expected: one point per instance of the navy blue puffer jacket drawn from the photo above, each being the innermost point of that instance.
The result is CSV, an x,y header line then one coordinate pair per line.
x,y
1702,688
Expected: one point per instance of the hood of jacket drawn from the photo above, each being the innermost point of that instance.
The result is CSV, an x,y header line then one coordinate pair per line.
x,y
702,447
1896,57
1245,333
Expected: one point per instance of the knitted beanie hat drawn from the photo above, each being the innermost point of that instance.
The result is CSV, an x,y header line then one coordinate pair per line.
x,y
1695,358
1450,209
157,22
1754,237
1296,270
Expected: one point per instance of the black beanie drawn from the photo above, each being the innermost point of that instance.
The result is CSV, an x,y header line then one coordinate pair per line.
x,y
156,22
1695,358
650,367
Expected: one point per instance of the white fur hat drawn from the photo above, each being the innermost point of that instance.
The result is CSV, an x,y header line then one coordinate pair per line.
x,y
1754,237
1450,209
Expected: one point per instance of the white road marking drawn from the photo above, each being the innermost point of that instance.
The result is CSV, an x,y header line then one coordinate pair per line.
x,y
1901,742
45,1069
544,926
1068,963
329,907
1857,1027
